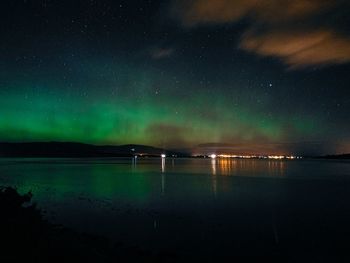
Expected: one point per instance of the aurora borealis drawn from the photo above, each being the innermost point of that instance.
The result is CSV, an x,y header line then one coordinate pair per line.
x,y
177,74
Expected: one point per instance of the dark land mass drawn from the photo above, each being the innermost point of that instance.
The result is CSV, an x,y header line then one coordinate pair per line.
x,y
71,149
337,156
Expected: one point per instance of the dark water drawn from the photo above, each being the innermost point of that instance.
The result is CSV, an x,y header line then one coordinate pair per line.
x,y
198,208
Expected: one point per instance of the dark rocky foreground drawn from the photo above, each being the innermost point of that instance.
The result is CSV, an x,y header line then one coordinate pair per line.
x,y
27,237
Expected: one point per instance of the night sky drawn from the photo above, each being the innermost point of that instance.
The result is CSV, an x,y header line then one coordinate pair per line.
x,y
254,76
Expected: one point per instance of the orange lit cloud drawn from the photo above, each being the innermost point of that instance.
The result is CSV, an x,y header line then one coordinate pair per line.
x,y
219,11
194,12
307,44
299,49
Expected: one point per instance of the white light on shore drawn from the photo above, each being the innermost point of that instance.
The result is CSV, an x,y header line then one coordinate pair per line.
x,y
163,155
213,156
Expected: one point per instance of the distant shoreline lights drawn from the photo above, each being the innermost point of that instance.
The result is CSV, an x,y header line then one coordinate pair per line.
x,y
274,157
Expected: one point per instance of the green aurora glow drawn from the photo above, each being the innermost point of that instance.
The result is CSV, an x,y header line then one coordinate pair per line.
x,y
156,119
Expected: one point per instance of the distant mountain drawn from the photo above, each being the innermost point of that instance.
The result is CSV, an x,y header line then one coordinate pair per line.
x,y
132,149
337,156
71,149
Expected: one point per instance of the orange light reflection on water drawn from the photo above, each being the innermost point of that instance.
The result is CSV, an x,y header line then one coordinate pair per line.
x,y
244,167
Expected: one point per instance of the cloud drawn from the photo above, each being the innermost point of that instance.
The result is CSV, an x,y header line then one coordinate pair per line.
x,y
159,53
193,12
300,49
206,11
291,30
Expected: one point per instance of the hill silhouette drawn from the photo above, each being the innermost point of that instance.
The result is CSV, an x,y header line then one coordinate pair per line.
x,y
72,149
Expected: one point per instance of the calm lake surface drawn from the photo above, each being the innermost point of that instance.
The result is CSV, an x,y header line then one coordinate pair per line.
x,y
192,207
